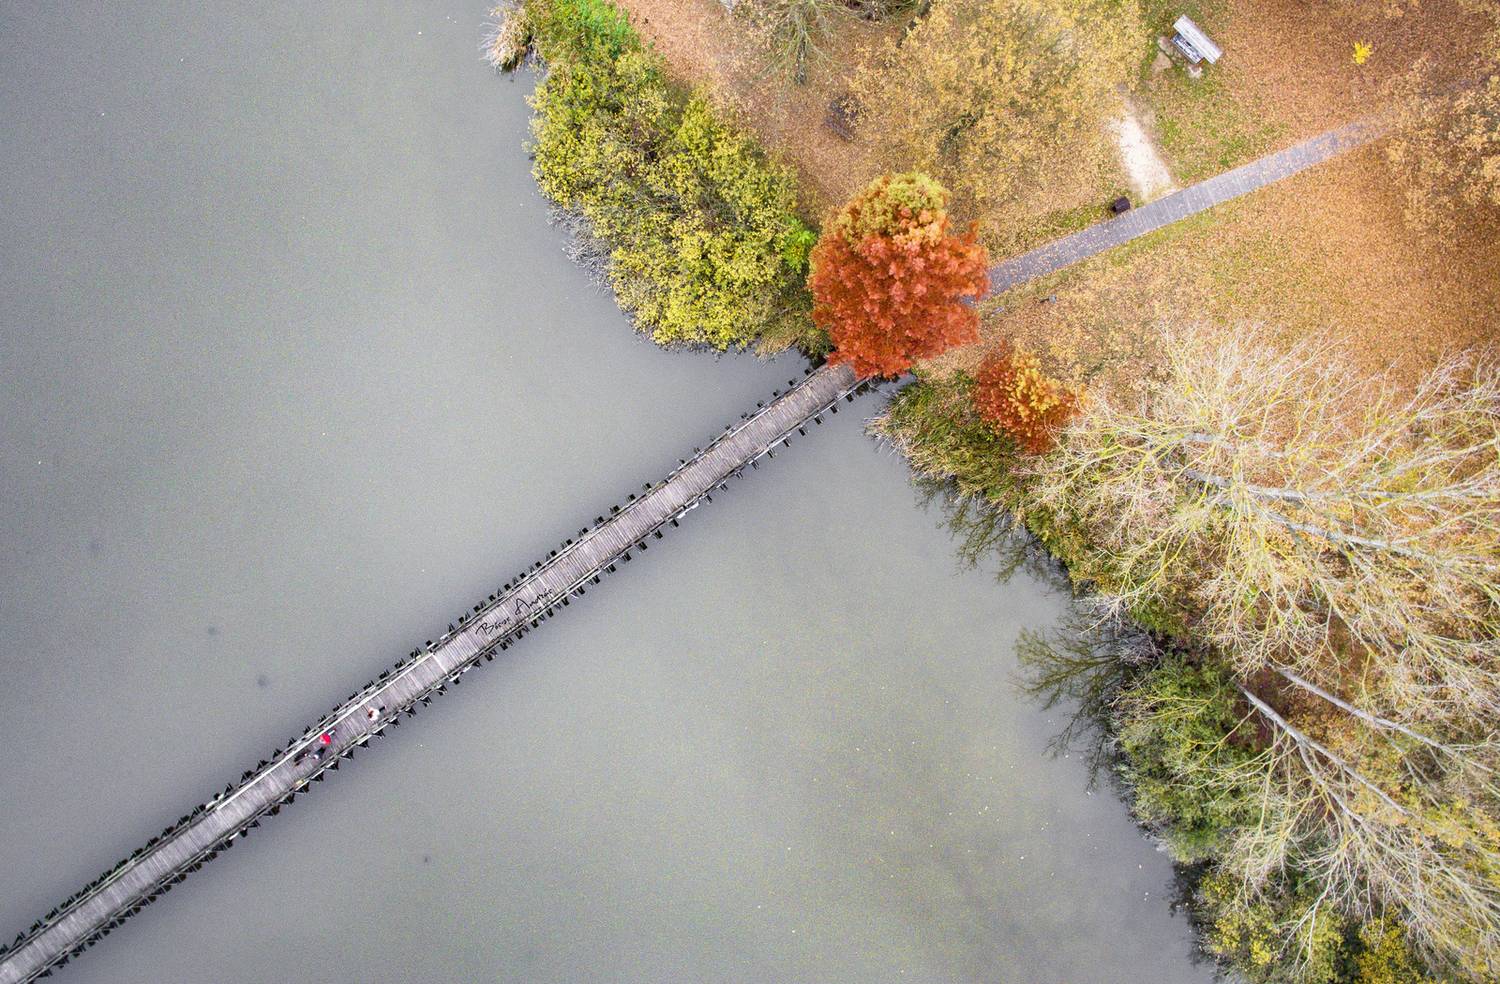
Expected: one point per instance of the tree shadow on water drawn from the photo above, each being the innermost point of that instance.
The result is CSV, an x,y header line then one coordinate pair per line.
x,y
1079,665
986,537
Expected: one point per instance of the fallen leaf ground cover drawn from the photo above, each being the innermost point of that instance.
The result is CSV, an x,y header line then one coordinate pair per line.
x,y
1322,254
706,44
1289,72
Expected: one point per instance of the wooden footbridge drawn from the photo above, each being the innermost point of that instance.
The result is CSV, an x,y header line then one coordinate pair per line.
x,y
522,604
492,625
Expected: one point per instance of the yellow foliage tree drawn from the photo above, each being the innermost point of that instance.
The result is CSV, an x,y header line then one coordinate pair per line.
x,y
989,95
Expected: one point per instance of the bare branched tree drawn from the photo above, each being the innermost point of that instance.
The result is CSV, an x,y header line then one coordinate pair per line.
x,y
1427,848
1339,543
793,32
1315,522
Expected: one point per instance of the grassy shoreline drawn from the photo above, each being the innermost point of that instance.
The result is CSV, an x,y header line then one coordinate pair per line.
x,y
696,229
699,235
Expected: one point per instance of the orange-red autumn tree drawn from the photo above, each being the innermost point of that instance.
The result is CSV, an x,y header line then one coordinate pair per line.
x,y
888,275
1013,394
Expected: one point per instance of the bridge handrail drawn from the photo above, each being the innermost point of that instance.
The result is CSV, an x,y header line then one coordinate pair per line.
x,y
541,601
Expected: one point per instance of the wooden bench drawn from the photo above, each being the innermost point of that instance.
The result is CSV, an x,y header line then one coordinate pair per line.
x,y
1195,46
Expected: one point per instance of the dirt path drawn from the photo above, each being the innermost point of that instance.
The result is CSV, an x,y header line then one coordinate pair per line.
x,y
1148,173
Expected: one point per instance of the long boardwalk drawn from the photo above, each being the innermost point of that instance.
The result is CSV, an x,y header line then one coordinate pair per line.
x,y
491,625
519,607
1178,206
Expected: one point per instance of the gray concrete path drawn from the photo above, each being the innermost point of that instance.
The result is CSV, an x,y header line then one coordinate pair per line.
x,y
1178,206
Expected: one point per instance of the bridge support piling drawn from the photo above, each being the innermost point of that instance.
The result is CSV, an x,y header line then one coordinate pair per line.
x,y
519,606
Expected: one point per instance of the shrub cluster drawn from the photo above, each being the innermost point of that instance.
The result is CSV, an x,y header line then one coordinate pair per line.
x,y
1019,400
1187,764
703,241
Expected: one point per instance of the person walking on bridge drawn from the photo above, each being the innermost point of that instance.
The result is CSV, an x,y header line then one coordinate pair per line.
x,y
324,740
316,749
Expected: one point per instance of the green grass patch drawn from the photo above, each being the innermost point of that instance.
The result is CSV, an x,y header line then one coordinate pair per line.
x,y
1204,128
1122,255
1066,221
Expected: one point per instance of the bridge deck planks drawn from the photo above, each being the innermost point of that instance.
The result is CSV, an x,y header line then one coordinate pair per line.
x,y
85,918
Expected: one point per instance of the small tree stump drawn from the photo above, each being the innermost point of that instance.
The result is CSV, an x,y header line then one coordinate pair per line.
x,y
842,116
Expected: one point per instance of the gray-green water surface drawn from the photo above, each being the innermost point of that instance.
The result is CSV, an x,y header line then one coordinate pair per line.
x,y
292,368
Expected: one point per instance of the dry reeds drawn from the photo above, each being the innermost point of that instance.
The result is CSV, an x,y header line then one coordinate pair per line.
x,y
507,38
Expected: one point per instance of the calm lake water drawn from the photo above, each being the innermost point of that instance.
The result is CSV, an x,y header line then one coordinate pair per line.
x,y
292,368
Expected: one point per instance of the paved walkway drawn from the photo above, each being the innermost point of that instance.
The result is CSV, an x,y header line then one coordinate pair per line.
x,y
1178,206
491,625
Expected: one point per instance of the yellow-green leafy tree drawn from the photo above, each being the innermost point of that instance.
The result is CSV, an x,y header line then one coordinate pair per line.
x,y
696,230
